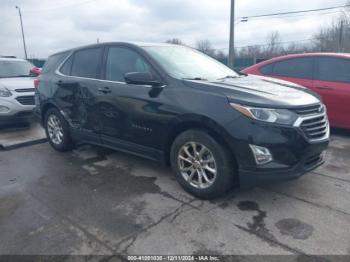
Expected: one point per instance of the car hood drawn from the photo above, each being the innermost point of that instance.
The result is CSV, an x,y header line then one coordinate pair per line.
x,y
13,83
259,91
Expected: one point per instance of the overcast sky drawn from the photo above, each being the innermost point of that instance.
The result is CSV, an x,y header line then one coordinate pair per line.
x,y
54,25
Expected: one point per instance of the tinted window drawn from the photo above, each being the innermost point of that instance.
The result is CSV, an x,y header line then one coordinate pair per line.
x,y
297,67
334,69
67,66
53,62
267,70
123,60
86,62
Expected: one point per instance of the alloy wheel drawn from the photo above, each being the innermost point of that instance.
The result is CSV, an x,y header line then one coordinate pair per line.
x,y
197,165
54,129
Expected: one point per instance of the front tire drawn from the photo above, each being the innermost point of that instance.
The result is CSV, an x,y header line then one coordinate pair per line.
x,y
202,166
57,130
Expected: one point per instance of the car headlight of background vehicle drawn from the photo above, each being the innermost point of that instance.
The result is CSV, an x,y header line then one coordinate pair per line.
x,y
278,116
4,92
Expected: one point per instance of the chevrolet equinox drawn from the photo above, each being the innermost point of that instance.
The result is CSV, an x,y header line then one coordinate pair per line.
x,y
215,128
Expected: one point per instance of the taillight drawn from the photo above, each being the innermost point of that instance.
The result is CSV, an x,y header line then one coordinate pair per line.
x,y
36,83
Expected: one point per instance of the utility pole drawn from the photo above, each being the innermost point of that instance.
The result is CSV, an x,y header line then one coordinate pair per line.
x,y
24,41
231,54
340,43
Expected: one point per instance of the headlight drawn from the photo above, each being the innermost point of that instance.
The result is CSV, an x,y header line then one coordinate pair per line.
x,y
4,92
279,116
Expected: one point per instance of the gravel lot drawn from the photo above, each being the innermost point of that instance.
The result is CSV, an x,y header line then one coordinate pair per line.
x,y
97,201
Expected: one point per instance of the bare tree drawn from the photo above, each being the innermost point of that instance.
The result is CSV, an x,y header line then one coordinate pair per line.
x,y
273,46
206,47
175,41
335,37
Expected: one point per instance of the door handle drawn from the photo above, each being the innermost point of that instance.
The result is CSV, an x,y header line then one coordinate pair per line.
x,y
59,82
104,90
324,87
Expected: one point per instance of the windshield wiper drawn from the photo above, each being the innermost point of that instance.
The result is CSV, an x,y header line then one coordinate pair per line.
x,y
195,78
227,77
240,74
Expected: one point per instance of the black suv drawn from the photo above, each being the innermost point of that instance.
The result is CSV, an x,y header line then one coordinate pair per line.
x,y
173,104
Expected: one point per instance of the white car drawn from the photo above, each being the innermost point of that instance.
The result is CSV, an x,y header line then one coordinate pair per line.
x,y
16,90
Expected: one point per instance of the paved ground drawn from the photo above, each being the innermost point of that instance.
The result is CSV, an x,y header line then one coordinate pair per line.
x,y
21,135
95,201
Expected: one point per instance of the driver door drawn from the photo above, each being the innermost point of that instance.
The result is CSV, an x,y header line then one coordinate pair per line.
x,y
128,113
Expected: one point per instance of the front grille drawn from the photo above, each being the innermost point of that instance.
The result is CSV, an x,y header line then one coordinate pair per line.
x,y
25,90
316,127
310,110
313,121
26,100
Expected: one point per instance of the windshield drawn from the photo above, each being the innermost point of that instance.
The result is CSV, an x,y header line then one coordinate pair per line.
x,y
15,68
186,63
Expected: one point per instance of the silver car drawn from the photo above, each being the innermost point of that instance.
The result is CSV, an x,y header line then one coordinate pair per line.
x,y
16,90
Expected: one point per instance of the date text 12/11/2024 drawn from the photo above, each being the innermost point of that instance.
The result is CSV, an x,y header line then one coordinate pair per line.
x,y
173,258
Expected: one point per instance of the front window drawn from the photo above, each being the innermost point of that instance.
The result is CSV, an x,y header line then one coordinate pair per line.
x,y
121,61
186,63
15,68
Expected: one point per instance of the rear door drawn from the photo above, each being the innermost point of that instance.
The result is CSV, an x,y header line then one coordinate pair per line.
x,y
332,82
78,87
297,70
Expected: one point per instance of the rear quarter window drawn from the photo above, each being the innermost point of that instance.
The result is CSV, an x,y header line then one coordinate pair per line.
x,y
67,66
53,62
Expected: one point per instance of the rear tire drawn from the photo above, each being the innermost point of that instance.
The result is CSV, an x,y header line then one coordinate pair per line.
x,y
57,130
202,166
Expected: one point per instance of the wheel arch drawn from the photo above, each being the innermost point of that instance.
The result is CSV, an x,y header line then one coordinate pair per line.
x,y
46,108
203,124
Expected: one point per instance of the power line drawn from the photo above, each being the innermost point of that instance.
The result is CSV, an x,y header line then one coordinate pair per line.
x,y
295,12
278,43
296,16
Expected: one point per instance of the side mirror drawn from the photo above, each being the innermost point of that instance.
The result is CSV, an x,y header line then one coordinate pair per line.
x,y
35,71
141,78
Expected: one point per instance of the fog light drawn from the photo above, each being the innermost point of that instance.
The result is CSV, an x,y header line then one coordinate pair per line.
x,y
261,154
4,109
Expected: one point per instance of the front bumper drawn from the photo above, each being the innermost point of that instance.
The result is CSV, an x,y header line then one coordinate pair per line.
x,y
17,112
313,159
293,154
20,117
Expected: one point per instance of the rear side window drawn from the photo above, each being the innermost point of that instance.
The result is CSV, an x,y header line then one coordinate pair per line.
x,y
86,62
122,60
295,67
333,69
53,62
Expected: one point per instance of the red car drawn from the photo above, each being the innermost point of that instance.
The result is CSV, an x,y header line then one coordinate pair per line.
x,y
327,74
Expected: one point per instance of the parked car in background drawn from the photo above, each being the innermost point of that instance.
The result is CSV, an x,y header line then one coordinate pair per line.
x,y
173,104
327,74
16,90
